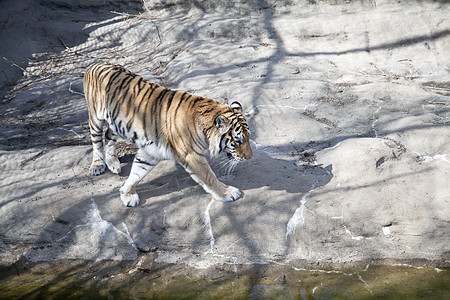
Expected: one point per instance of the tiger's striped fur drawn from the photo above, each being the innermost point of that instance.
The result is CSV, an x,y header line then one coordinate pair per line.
x,y
163,124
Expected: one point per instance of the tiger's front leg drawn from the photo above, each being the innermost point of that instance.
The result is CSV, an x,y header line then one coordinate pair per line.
x,y
197,166
142,165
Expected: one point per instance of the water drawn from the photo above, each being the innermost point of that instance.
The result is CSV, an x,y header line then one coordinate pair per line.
x,y
110,280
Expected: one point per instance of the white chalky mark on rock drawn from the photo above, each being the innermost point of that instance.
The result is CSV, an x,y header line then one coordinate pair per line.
x,y
207,221
74,92
375,122
138,265
331,147
127,235
68,233
347,231
428,158
356,238
164,214
100,227
326,272
440,157
310,270
265,149
446,196
366,268
309,104
386,230
365,283
298,214
69,130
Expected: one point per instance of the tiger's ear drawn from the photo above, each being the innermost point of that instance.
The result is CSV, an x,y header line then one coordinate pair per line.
x,y
236,106
221,122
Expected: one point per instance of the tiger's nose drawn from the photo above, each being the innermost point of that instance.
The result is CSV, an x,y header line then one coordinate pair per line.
x,y
249,155
248,152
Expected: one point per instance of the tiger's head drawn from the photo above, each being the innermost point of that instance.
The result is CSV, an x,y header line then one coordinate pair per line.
x,y
234,134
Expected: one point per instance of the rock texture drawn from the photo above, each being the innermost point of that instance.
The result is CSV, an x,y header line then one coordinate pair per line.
x,y
348,105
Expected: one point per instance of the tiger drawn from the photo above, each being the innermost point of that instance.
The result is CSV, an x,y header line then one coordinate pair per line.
x,y
164,124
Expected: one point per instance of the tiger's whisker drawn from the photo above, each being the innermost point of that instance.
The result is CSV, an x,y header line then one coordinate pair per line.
x,y
232,164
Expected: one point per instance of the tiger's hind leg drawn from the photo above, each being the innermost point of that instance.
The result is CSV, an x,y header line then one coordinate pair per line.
x,y
142,164
111,158
98,157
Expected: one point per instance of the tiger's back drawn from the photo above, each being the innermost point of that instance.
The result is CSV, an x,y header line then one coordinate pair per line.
x,y
164,123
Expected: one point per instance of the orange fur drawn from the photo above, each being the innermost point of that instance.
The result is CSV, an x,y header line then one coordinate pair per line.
x,y
164,124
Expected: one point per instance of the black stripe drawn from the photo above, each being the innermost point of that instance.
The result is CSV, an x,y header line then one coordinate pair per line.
x,y
187,98
197,153
233,120
153,108
120,101
140,161
144,111
201,146
95,127
110,135
120,125
181,101
197,99
156,113
117,86
209,128
113,77
130,123
128,79
104,72
115,110
169,101
160,97
128,103
156,134
209,110
144,97
135,137
101,73
138,84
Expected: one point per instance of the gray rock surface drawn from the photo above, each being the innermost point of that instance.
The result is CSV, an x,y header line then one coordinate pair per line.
x,y
348,105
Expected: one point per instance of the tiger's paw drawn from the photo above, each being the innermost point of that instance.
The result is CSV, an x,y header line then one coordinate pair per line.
x,y
97,169
113,164
130,200
231,194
